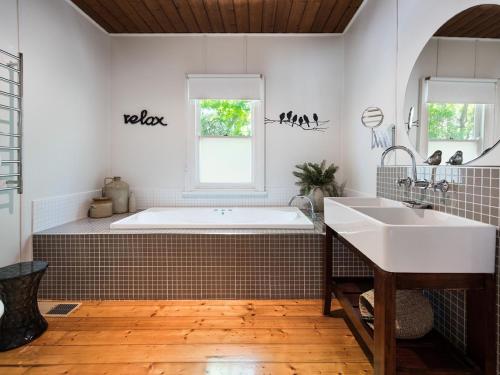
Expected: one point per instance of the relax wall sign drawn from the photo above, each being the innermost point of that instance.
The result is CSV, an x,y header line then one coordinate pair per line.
x,y
144,119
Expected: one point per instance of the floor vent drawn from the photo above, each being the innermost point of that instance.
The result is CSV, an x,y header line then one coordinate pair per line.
x,y
59,309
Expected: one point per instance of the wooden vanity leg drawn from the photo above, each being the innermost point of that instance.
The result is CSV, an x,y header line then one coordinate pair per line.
x,y
327,270
481,331
384,353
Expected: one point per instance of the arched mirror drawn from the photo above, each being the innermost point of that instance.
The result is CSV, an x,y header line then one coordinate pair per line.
x,y
452,100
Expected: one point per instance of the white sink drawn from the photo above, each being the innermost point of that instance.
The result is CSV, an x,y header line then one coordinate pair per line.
x,y
366,202
402,239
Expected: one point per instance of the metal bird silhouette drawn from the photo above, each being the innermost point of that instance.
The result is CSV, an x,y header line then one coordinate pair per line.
x,y
315,118
457,158
306,119
435,158
291,119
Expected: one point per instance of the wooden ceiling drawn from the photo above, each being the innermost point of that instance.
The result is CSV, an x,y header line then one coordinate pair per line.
x,y
482,21
221,16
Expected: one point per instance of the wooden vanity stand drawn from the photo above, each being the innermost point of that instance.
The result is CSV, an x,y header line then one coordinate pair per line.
x,y
431,354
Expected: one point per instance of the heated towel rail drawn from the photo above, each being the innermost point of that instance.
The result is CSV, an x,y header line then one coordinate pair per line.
x,y
11,120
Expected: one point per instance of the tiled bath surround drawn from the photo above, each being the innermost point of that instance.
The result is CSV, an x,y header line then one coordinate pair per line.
x,y
181,265
88,261
474,194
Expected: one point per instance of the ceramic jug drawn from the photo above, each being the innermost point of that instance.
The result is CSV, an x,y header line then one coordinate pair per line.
x,y
118,191
100,207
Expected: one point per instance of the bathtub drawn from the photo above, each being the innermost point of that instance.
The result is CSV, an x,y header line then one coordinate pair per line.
x,y
206,218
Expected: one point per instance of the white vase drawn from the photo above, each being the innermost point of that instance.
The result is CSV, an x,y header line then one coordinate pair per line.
x,y
317,196
132,203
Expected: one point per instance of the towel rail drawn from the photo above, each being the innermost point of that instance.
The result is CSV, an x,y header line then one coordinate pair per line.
x,y
9,108
10,54
13,132
11,68
11,161
9,94
11,188
9,81
10,134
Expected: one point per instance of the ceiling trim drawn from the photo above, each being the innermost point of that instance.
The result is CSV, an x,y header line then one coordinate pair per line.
x,y
233,35
86,16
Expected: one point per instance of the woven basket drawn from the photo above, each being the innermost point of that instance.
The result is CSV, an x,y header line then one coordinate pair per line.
x,y
414,315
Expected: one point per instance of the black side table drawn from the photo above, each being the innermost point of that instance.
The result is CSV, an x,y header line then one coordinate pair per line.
x,y
22,321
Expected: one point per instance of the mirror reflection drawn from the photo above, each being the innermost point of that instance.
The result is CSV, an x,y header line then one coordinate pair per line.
x,y
452,97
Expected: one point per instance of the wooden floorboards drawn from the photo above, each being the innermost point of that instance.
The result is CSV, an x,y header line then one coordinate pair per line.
x,y
192,337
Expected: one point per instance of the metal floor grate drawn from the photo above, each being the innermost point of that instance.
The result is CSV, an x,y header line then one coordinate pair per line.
x,y
62,309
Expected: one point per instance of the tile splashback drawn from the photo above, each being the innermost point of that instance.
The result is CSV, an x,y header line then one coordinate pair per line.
x,y
474,194
58,210
54,211
147,198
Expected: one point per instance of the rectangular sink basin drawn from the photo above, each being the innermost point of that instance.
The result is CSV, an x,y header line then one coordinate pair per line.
x,y
366,202
402,239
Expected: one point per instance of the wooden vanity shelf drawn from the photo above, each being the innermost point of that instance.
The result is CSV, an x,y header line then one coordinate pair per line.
x,y
431,354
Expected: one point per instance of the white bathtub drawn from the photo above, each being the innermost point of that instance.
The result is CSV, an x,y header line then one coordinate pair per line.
x,y
205,218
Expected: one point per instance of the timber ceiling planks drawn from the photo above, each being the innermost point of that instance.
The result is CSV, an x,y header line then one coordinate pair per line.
x,y
221,16
482,21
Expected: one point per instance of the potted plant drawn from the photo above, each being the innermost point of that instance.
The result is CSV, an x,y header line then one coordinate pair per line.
x,y
318,181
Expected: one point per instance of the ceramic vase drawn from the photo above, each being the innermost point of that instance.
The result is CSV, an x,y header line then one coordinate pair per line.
x,y
317,196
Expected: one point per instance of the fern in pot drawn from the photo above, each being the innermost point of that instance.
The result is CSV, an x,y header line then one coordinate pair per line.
x,y
318,181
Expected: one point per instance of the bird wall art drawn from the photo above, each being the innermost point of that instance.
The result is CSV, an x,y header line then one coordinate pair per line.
x,y
303,122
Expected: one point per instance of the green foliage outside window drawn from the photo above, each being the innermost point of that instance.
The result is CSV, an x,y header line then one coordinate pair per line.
x,y
451,121
229,118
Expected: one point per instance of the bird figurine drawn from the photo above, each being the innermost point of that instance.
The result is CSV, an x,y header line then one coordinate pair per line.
x,y
294,119
457,158
301,121
435,158
289,115
315,118
282,117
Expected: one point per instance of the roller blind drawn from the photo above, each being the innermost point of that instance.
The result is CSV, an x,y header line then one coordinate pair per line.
x,y
225,86
455,90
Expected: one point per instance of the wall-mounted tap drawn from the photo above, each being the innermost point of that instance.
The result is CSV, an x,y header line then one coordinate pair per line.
x,y
441,186
313,214
408,181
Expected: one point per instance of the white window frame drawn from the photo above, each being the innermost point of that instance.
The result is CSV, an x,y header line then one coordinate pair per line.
x,y
257,184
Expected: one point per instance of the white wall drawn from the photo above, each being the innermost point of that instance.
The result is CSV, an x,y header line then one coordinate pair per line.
x,y
381,48
66,103
369,80
148,72
9,201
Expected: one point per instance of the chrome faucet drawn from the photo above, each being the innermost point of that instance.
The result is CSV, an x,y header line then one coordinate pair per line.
x,y
313,214
408,181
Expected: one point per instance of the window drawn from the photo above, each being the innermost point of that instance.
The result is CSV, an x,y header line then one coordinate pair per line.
x,y
456,114
455,121
226,137
224,141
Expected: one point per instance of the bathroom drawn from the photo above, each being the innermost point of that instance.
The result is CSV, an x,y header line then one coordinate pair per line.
x,y
215,270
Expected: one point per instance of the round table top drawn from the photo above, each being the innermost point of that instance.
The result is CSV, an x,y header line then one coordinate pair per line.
x,y
22,269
